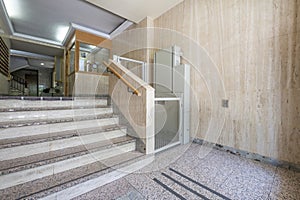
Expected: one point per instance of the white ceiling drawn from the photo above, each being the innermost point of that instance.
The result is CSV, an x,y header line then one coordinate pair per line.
x,y
49,19
42,26
136,10
17,63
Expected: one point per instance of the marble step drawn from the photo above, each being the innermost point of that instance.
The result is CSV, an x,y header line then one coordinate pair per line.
x,y
77,189
21,177
36,102
17,135
30,105
26,118
52,107
20,155
64,136
48,158
40,179
59,182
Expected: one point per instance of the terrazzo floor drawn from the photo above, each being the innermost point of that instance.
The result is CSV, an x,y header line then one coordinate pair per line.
x,y
182,173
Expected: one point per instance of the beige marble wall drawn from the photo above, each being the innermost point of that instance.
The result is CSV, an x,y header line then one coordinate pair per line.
x,y
90,84
143,40
256,46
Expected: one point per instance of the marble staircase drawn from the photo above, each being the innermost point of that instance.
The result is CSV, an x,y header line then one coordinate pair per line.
x,y
46,146
15,92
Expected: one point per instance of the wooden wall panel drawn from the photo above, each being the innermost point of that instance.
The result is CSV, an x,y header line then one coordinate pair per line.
x,y
89,38
256,47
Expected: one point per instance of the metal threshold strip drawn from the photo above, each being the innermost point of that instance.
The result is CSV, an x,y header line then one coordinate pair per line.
x,y
167,147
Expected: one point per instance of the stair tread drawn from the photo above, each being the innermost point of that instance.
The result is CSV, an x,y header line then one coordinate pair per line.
x,y
36,160
38,148
27,104
66,107
57,182
82,187
15,117
48,129
28,175
58,136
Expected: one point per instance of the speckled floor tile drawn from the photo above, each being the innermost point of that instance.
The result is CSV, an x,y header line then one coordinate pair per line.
x,y
286,185
132,195
197,183
147,187
163,159
230,175
114,190
245,187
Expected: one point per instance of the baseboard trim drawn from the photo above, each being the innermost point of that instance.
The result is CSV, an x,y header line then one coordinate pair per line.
x,y
249,155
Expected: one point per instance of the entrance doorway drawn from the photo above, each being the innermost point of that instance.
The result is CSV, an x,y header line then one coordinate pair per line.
x,y
31,78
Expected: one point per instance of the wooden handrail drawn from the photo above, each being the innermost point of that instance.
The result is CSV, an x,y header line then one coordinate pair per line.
x,y
135,91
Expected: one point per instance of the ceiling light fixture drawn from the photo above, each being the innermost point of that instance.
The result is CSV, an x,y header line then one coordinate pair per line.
x,y
61,33
13,8
42,64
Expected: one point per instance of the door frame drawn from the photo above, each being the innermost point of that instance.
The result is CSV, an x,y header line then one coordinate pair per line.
x,y
37,79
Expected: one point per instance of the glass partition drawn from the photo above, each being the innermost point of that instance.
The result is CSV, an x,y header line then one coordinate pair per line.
x,y
167,122
91,58
135,66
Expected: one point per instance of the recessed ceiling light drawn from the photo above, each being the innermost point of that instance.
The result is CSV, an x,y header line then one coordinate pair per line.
x,y
13,8
42,64
61,33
